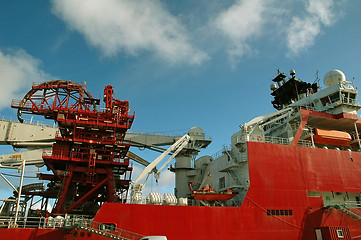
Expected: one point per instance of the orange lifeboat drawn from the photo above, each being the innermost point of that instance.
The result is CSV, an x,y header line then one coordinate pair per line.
x,y
208,194
213,196
331,137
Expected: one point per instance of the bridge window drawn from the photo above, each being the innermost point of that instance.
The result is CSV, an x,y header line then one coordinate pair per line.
x,y
335,97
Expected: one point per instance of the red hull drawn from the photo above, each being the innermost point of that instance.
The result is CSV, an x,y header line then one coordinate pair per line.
x,y
32,233
280,177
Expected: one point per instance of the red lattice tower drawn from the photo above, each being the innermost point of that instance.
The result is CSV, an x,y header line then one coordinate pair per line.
x,y
89,156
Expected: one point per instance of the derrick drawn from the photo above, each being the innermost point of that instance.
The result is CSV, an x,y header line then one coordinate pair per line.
x,y
88,159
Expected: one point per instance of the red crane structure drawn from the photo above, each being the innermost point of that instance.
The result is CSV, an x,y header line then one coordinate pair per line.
x,y
88,160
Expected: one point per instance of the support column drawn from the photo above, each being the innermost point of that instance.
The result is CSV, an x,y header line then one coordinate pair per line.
x,y
19,193
358,137
182,165
304,118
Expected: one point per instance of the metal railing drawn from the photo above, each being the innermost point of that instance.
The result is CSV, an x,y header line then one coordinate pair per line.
x,y
276,140
351,208
222,151
346,204
29,121
286,141
108,230
42,222
81,156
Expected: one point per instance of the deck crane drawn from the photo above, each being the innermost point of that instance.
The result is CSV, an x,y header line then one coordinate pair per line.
x,y
137,187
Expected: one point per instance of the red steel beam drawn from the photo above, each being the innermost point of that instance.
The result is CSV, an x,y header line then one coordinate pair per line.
x,y
86,196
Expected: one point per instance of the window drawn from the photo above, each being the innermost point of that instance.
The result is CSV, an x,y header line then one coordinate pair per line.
x,y
222,182
107,226
335,97
281,212
318,234
324,101
340,233
352,98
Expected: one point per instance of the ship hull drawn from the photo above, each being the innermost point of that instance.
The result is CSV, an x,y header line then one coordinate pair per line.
x,y
281,178
33,233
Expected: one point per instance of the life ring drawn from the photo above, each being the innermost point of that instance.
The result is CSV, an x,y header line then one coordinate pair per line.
x,y
259,139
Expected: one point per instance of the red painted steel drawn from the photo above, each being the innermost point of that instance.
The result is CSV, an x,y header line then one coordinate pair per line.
x,y
89,156
32,233
280,177
276,206
330,233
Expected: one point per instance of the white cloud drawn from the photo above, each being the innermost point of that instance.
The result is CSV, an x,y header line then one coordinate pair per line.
x,y
18,70
302,32
322,9
241,23
129,26
246,21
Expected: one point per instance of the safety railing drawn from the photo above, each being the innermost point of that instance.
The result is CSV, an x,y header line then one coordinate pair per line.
x,y
28,121
43,222
66,155
286,141
351,208
276,140
108,230
222,151
84,136
119,120
346,204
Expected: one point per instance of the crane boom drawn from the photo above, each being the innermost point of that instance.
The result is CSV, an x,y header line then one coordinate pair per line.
x,y
177,145
137,187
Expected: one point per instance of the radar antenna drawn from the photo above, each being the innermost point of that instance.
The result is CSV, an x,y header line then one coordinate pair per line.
x,y
317,79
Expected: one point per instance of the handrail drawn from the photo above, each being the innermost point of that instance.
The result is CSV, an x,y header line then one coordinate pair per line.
x,y
28,121
76,222
108,230
346,204
66,154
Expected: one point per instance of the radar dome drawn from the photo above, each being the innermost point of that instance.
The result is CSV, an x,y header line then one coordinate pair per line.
x,y
333,77
196,131
273,87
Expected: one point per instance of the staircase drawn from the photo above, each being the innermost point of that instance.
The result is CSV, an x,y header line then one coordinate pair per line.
x,y
108,230
354,212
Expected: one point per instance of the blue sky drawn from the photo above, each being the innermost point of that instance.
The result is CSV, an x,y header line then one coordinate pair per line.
x,y
206,63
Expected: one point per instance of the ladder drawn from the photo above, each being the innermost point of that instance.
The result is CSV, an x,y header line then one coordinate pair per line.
x,y
114,233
